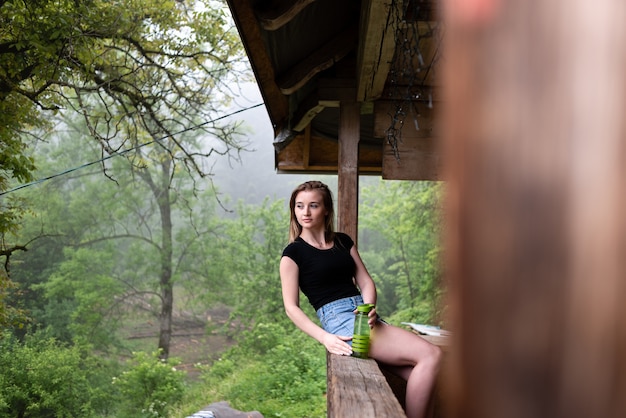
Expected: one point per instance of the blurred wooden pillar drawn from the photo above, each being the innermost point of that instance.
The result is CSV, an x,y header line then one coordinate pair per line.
x,y
535,164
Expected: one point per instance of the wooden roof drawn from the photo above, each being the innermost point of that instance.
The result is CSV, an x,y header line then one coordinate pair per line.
x,y
308,56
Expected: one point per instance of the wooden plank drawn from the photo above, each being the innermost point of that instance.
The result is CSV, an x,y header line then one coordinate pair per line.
x,y
417,159
358,389
417,156
323,156
419,121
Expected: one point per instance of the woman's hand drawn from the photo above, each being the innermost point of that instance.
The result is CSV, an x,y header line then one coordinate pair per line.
x,y
372,316
336,344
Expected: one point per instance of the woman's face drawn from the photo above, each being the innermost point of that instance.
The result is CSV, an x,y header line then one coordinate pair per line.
x,y
309,210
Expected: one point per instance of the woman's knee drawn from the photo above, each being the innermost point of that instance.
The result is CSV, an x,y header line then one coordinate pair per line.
x,y
425,355
431,356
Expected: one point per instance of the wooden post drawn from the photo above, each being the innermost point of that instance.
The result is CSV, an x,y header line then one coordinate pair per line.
x,y
348,170
535,167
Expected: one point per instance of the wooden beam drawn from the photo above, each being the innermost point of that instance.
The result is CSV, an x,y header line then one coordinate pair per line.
x,y
425,93
329,93
320,60
421,50
306,111
415,159
419,118
336,89
421,10
323,156
417,155
377,44
281,13
275,102
376,49
320,169
348,190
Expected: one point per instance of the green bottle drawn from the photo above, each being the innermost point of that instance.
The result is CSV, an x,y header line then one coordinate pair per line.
x,y
361,336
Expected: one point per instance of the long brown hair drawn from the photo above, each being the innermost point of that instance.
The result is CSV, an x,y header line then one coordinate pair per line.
x,y
327,198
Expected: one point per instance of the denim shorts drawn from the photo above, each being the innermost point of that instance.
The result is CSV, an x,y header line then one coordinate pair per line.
x,y
337,317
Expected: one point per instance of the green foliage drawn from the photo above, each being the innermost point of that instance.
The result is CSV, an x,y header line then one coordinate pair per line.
x,y
255,240
137,71
14,163
400,244
43,378
150,387
143,61
421,312
134,72
278,371
10,315
80,294
119,245
99,265
12,210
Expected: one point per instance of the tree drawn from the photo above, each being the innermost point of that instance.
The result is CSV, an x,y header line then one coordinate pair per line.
x,y
129,67
126,244
139,73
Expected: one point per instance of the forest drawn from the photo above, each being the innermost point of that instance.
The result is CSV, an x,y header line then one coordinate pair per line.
x,y
142,222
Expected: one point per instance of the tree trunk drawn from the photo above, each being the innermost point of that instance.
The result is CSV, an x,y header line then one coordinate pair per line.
x,y
167,288
161,193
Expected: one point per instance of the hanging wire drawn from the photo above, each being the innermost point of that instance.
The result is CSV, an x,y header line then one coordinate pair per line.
x,y
410,68
117,154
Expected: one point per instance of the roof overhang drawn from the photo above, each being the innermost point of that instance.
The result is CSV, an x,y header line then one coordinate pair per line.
x,y
310,55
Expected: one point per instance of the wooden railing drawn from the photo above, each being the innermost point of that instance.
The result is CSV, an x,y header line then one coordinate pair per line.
x,y
359,388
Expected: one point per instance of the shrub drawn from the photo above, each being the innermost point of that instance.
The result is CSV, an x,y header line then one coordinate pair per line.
x,y
286,379
150,387
40,377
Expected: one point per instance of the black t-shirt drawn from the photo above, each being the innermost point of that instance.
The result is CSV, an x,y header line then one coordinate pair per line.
x,y
324,275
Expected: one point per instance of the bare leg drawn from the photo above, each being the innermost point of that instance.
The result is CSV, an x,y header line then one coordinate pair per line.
x,y
404,372
411,357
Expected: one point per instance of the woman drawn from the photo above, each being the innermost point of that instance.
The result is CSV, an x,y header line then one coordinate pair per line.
x,y
329,270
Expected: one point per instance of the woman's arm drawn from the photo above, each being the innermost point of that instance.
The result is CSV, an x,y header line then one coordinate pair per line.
x,y
291,300
365,282
363,278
